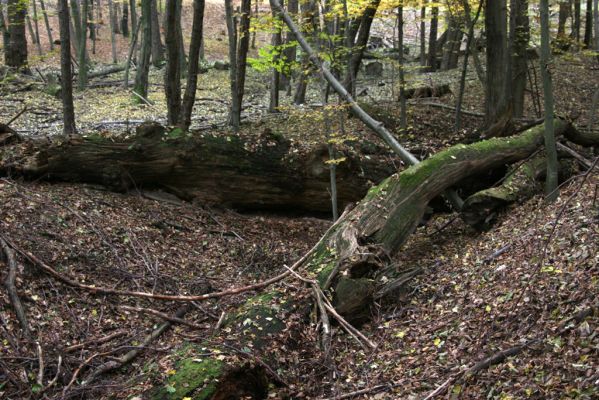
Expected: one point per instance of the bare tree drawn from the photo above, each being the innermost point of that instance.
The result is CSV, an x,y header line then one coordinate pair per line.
x,y
47,24
140,87
172,76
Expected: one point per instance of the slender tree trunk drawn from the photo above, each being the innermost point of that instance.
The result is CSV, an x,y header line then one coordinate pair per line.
x,y
423,33
76,25
181,43
596,23
588,25
4,28
172,77
232,35
432,40
290,51
194,60
112,33
132,14
32,34
132,46
47,24
469,45
275,79
255,15
157,48
82,59
550,149
16,52
66,72
143,67
125,21
576,25
519,38
36,26
402,75
357,51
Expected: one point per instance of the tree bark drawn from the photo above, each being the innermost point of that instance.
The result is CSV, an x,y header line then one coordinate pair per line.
x,y
432,40
125,21
112,33
47,24
496,84
351,252
157,48
357,49
172,77
194,61
143,68
15,55
550,147
66,71
519,37
265,172
423,33
575,34
588,25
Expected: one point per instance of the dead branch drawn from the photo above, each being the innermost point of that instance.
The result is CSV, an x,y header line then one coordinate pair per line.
x,y
9,284
131,355
93,289
584,162
101,340
164,316
40,356
13,119
377,388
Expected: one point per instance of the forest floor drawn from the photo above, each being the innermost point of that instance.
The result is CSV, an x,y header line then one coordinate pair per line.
x,y
521,283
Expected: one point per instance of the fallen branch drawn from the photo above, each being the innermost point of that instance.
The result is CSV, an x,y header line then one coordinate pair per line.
x,y
162,315
93,289
584,162
131,355
101,340
9,284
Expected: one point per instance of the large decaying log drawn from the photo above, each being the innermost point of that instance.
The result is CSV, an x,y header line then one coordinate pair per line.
x,y
354,248
262,173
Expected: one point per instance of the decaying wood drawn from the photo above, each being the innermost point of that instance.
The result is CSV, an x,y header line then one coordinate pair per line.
x,y
363,239
9,284
229,171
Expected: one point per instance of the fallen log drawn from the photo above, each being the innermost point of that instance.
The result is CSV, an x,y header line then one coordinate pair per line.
x,y
347,258
258,173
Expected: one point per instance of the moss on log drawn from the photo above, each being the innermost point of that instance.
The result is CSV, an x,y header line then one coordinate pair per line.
x,y
362,240
263,172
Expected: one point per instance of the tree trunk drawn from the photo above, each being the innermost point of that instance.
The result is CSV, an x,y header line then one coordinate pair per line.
x,y
550,149
15,54
348,257
575,34
4,29
172,77
519,37
132,46
432,40
564,13
588,25
264,172
194,60
357,49
125,21
402,74
423,33
132,14
596,24
112,38
495,91
47,24
66,72
82,50
239,43
143,67
290,51
157,48
275,80
36,27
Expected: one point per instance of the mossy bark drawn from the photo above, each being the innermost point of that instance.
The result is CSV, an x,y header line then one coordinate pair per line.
x,y
363,239
265,172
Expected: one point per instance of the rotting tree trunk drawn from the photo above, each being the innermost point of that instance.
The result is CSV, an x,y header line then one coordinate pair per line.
x,y
354,248
263,173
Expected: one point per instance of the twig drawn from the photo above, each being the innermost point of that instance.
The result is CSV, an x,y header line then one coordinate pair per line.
x,y
11,289
162,315
372,389
101,340
13,119
40,373
54,380
69,281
